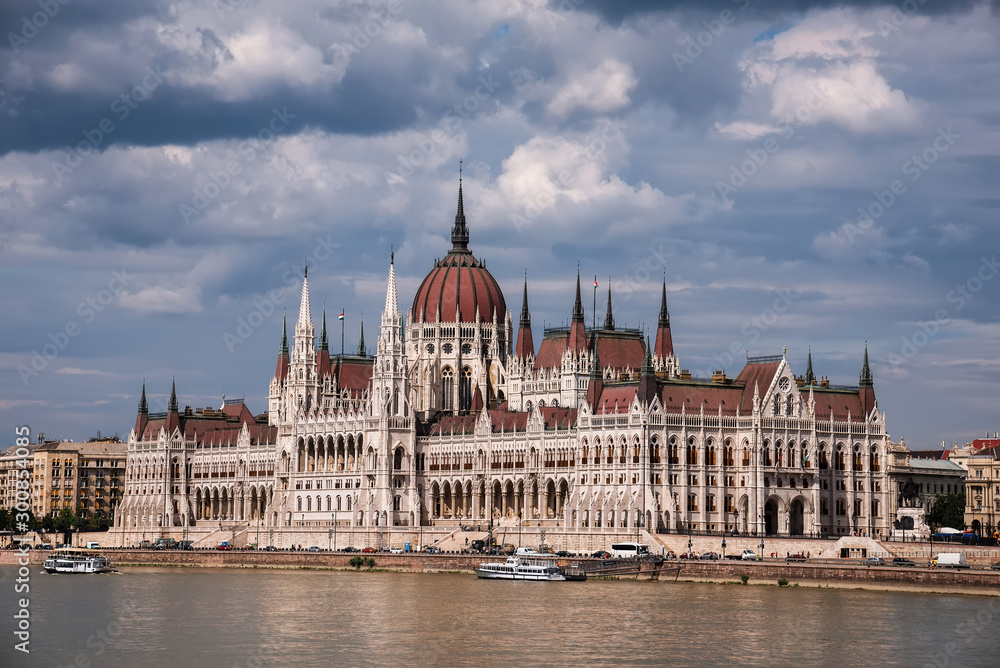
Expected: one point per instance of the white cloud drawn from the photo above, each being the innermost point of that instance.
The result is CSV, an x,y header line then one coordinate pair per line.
x,y
825,70
159,299
602,90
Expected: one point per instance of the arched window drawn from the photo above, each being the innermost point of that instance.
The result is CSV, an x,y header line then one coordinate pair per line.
x,y
447,388
789,409
777,405
465,390
873,460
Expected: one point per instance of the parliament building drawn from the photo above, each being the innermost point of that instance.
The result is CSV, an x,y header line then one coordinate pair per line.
x,y
460,419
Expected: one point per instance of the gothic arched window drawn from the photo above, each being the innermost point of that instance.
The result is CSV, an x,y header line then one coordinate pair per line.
x,y
447,388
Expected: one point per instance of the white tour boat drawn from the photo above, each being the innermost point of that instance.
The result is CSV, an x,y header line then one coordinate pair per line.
x,y
520,568
75,560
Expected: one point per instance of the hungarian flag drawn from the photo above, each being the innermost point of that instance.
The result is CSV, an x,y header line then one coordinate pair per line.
x,y
595,282
341,316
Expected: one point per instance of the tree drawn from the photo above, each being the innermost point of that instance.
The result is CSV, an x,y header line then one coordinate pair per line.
x,y
948,511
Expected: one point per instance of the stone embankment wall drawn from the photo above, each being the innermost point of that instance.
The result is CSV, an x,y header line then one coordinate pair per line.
x,y
985,582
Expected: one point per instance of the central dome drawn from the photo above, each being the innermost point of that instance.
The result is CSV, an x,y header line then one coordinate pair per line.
x,y
459,284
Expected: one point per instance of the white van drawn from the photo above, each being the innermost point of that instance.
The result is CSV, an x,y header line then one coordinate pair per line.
x,y
92,545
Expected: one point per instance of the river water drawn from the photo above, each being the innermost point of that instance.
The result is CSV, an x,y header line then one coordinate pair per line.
x,y
226,618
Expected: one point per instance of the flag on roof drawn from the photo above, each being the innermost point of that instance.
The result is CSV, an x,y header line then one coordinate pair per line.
x,y
595,282
341,316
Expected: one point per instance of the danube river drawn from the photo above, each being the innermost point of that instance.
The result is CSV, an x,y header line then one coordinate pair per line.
x,y
222,618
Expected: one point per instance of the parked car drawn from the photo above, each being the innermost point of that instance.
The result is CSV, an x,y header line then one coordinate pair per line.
x,y
601,554
270,548
430,549
369,549
874,561
795,557
224,547
350,549
748,555
710,556
689,555
996,566
313,549
395,550
902,561
564,553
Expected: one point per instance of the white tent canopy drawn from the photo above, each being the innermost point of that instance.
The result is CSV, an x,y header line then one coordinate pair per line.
x,y
948,530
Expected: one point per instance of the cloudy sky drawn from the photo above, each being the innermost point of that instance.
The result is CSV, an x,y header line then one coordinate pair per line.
x,y
804,174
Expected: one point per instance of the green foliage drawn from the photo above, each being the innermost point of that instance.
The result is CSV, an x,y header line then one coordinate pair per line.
x,y
370,563
782,582
356,562
744,578
948,511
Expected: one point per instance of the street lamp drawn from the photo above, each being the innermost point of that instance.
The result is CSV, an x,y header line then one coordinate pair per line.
x,y
334,532
736,522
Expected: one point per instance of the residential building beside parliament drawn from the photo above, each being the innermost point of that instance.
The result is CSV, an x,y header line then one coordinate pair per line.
x,y
460,419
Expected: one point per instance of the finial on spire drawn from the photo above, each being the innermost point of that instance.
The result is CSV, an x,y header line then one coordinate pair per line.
x,y
810,376
143,406
392,254
306,265
361,343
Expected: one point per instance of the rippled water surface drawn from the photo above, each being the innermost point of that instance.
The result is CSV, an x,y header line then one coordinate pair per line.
x,y
226,618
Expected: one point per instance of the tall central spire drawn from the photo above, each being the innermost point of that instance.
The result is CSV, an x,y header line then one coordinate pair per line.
x,y
525,313
578,305
460,232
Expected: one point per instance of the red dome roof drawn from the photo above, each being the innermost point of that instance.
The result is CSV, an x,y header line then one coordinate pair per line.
x,y
459,282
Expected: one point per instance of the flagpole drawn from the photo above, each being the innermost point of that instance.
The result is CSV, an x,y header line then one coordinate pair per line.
x,y
342,320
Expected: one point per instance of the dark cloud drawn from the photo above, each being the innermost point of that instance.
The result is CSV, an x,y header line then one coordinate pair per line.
x,y
616,11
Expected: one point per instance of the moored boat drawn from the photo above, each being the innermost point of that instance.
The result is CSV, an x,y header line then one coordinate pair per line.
x,y
75,560
520,568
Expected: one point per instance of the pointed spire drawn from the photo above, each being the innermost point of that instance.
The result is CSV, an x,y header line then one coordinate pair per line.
x,y
578,304
460,232
664,320
172,406
810,376
525,314
361,343
283,350
866,372
143,406
324,344
391,301
305,311
609,319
